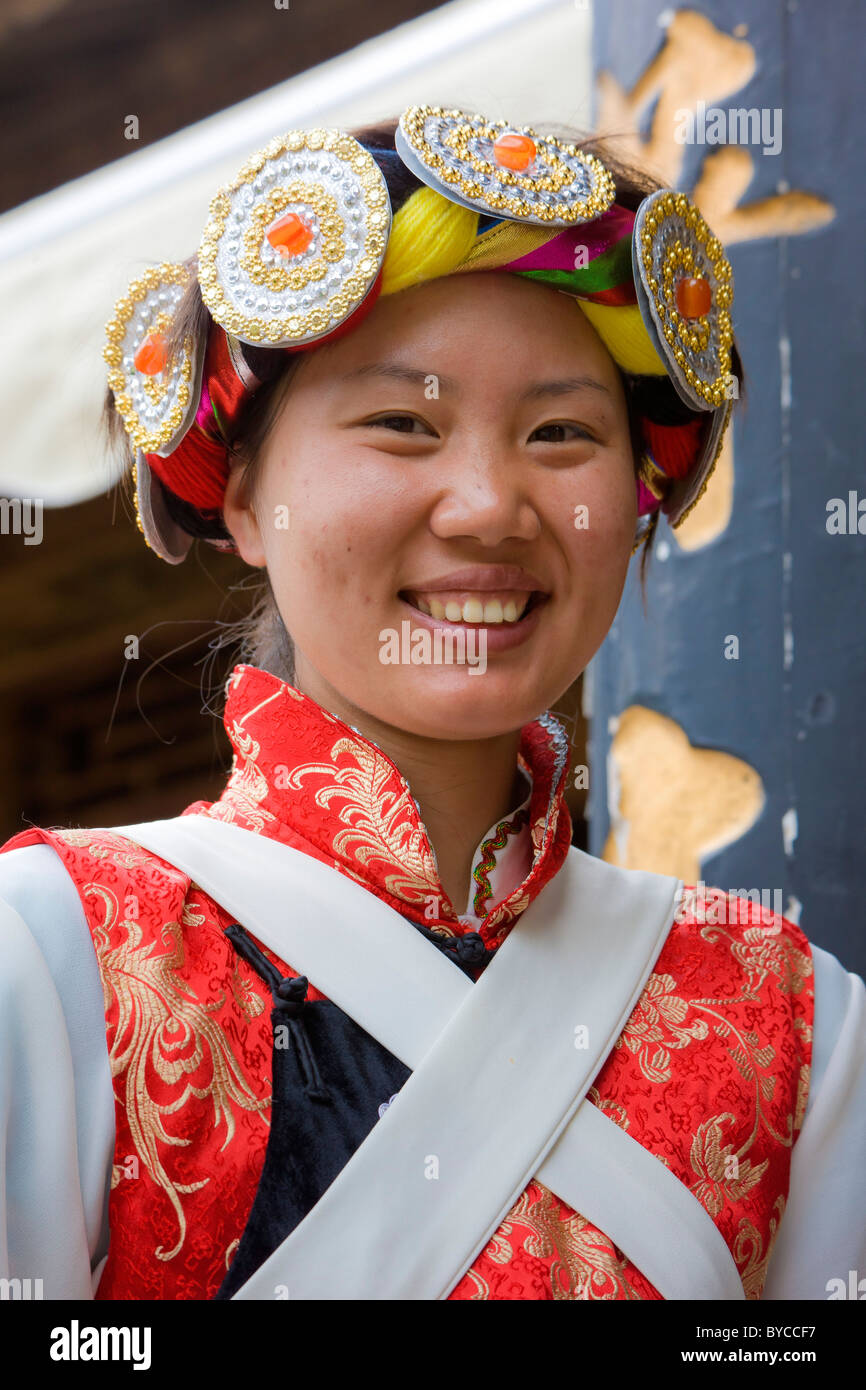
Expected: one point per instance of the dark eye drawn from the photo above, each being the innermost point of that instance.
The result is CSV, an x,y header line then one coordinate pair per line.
x,y
402,424
559,432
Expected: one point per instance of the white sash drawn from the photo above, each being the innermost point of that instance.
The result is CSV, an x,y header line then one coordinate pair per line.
x,y
495,1095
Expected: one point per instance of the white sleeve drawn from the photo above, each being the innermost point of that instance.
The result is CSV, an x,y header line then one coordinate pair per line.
x,y
822,1235
56,1095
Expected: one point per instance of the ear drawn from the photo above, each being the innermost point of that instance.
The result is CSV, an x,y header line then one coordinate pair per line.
x,y
241,520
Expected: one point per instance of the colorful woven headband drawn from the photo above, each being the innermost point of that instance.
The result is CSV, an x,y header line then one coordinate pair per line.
x,y
302,242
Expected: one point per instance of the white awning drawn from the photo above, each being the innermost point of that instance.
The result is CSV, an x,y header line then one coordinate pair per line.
x,y
67,256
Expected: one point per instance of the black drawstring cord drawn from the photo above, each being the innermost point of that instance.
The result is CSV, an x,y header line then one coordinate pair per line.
x,y
246,947
289,994
288,1003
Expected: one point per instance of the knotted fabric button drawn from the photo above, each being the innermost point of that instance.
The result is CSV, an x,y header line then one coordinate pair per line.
x,y
470,949
290,995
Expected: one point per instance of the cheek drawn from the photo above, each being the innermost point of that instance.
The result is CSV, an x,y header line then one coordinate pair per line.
x,y
346,515
603,511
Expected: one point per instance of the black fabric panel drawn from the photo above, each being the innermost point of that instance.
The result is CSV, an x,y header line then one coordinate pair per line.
x,y
312,1139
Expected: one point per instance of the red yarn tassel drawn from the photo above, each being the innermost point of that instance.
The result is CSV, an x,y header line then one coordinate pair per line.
x,y
675,448
197,471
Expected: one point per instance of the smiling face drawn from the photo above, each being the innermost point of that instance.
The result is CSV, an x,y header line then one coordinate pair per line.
x,y
432,467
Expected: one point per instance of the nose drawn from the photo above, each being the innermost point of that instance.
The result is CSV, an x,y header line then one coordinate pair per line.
x,y
484,495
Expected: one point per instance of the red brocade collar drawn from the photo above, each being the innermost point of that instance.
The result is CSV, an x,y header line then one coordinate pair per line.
x,y
304,777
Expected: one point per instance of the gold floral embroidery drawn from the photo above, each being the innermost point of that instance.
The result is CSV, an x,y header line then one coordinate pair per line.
x,y
657,1024
612,1108
537,835
244,994
804,1028
803,1079
247,786
766,950
163,1034
120,851
379,820
760,952
751,1058
751,1260
723,1174
482,1288
383,819
585,1265
508,909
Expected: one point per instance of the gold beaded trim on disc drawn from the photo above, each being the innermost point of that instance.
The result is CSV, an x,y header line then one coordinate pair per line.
x,y
563,184
673,240
154,408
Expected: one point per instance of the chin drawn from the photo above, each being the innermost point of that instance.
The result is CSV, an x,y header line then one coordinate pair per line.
x,y
454,704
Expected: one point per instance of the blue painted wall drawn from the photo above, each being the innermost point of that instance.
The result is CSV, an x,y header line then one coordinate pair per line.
x,y
801,728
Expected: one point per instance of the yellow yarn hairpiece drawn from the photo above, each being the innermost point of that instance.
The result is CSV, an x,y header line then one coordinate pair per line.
x,y
624,334
430,236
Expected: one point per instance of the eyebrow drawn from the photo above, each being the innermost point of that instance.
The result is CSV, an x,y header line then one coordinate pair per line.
x,y
565,386
417,376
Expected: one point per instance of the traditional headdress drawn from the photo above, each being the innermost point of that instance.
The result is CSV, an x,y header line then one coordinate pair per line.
x,y
304,239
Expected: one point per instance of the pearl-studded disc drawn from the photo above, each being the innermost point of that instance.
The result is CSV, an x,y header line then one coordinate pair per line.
x,y
332,191
672,244
156,406
454,153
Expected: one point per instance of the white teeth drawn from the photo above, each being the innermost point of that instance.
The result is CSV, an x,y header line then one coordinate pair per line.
x,y
493,611
472,610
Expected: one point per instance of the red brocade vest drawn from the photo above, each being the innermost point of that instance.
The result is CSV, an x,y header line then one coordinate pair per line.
x,y
710,1074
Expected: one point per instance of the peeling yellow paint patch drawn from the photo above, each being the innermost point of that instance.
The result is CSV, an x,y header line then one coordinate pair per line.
x,y
724,179
697,62
672,805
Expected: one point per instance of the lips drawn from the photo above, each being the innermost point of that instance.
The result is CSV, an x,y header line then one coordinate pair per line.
x,y
498,638
482,579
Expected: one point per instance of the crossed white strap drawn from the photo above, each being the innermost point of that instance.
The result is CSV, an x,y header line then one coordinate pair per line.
x,y
499,1071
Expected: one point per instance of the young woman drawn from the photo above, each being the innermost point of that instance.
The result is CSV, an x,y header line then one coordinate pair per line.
x,y
369,1026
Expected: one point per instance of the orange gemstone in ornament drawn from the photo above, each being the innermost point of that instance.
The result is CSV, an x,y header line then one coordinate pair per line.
x,y
152,355
290,236
694,297
514,152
